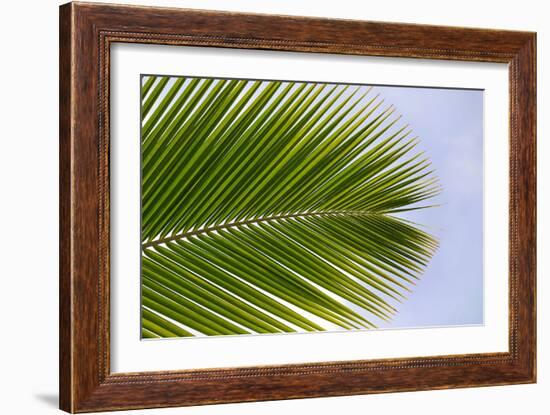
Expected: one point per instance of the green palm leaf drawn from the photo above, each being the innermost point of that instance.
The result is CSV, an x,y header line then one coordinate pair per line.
x,y
272,207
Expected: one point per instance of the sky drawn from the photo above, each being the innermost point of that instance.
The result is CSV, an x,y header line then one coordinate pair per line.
x,y
449,123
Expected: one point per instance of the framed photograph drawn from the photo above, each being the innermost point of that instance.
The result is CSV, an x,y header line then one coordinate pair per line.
x,y
260,207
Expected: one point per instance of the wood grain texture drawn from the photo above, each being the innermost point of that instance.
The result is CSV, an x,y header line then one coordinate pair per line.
x,y
65,247
86,33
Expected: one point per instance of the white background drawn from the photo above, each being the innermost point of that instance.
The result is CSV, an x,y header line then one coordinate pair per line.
x,y
129,354
28,171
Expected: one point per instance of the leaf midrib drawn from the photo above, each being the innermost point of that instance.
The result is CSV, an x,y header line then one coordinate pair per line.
x,y
266,219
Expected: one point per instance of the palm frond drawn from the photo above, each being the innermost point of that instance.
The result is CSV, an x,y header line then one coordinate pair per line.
x,y
272,206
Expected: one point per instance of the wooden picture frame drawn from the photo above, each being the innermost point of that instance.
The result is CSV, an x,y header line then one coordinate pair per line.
x,y
86,33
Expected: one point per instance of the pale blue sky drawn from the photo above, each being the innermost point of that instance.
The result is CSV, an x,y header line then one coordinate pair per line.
x,y
449,123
